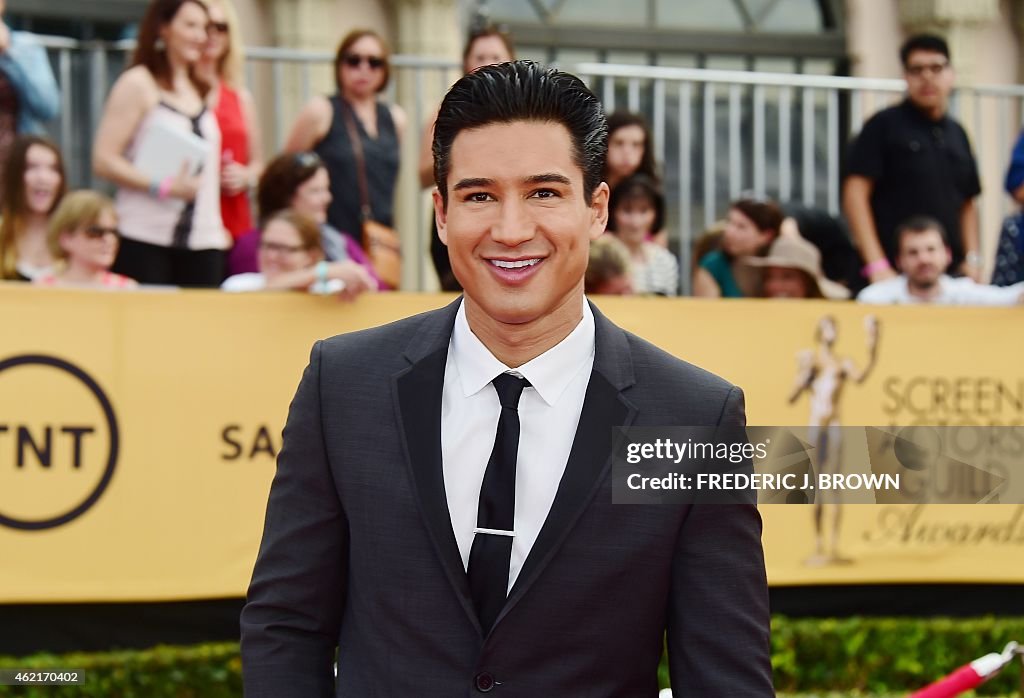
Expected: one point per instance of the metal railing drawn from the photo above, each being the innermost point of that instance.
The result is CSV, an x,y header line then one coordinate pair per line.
x,y
722,133
717,133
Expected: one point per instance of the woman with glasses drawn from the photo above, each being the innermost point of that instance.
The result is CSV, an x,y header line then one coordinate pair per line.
x,y
33,184
290,257
298,182
361,71
83,237
240,153
172,228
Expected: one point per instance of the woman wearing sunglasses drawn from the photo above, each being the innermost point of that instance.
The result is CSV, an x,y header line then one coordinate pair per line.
x,y
362,72
83,238
240,152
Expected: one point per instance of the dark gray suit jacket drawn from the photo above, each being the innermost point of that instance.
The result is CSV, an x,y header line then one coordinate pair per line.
x,y
358,551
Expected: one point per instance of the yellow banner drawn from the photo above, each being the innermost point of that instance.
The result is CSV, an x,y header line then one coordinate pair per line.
x,y
138,431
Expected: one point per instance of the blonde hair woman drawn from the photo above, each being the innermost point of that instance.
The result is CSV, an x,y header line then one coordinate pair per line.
x,y
83,238
241,158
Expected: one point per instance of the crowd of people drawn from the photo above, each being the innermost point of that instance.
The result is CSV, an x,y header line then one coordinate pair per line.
x,y
318,216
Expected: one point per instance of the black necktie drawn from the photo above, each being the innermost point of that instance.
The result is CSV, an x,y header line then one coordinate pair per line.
x,y
492,543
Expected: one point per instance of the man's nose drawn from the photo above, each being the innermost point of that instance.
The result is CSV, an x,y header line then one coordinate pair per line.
x,y
514,225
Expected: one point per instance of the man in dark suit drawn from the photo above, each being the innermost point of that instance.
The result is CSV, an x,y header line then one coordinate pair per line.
x,y
441,522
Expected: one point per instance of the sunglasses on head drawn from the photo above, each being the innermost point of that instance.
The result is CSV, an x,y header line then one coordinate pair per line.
x,y
98,231
352,60
308,160
219,27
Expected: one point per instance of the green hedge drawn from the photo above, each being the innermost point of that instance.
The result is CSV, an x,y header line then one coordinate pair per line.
x,y
865,657
883,655
200,671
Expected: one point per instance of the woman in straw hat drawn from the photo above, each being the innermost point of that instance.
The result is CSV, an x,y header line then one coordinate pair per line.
x,y
792,269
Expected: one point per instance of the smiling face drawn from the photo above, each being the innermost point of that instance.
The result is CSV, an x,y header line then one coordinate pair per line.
x,y
92,247
185,35
785,282
282,250
313,196
42,179
518,225
634,219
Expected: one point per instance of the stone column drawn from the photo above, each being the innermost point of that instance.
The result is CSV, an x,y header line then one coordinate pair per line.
x,y
959,21
431,30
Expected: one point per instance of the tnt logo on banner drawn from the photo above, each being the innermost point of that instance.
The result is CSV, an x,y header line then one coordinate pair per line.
x,y
58,442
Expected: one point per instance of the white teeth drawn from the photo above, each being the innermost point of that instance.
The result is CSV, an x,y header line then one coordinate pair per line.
x,y
518,264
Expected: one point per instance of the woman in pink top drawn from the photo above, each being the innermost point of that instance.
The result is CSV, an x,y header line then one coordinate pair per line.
x,y
83,238
172,227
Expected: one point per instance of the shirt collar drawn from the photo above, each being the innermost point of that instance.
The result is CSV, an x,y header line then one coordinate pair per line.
x,y
547,373
918,113
945,287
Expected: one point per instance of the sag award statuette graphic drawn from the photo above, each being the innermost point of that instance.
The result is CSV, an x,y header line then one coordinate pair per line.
x,y
823,374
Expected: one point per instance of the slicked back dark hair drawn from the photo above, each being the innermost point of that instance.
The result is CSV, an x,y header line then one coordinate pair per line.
x,y
923,42
522,91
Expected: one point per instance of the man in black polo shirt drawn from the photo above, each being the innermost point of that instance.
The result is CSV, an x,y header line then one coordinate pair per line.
x,y
914,160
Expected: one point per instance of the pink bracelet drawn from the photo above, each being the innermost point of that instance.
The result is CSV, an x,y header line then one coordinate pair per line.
x,y
877,265
165,188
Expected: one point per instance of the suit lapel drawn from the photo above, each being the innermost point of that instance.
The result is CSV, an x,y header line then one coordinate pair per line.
x,y
604,408
417,391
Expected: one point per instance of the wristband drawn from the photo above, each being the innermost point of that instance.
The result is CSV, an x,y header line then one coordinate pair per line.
x,y
973,258
875,266
154,188
165,188
321,272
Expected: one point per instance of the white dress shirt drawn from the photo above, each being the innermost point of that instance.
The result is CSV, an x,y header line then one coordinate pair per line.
x,y
549,413
959,291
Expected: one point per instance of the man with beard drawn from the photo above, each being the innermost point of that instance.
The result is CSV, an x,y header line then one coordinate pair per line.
x,y
922,257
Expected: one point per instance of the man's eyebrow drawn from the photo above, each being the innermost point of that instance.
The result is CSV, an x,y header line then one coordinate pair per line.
x,y
473,183
547,178
483,182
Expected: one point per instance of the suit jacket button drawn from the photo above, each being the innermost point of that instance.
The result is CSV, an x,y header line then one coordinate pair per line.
x,y
484,682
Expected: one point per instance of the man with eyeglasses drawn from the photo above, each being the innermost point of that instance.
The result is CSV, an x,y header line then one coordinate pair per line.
x,y
911,160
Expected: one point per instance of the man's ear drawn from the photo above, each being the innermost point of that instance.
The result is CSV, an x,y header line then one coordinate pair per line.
x,y
440,216
599,211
